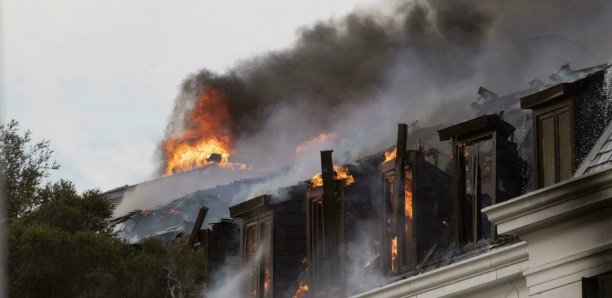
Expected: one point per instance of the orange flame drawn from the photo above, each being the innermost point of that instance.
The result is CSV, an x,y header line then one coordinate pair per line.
x,y
313,141
206,139
339,173
301,290
408,195
390,155
393,253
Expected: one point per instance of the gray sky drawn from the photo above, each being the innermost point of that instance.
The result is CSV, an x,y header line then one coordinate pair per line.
x,y
99,78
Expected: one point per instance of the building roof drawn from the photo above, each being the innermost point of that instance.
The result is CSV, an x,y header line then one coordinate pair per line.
x,y
600,156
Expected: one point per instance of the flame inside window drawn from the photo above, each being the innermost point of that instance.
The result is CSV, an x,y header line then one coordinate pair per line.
x,y
394,254
408,195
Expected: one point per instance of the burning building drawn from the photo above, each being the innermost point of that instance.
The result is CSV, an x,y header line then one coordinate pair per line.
x,y
491,206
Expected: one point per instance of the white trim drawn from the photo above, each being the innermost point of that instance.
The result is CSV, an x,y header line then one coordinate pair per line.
x,y
570,269
545,206
471,274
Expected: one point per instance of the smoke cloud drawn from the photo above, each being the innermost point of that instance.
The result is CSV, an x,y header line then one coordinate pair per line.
x,y
394,67
359,75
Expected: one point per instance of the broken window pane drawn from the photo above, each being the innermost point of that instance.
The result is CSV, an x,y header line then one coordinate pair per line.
x,y
479,188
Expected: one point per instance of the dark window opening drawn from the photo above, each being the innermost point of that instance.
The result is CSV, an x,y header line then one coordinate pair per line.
x,y
326,275
599,286
478,186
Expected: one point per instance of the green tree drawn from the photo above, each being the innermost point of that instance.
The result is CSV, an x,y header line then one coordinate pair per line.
x,y
61,206
61,244
23,166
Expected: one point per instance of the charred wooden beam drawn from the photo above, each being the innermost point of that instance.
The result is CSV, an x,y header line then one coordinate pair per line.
x,y
198,225
398,192
329,218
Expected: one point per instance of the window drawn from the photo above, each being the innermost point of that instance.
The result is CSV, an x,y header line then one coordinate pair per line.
x,y
487,170
554,135
399,237
477,186
317,260
326,275
257,261
598,286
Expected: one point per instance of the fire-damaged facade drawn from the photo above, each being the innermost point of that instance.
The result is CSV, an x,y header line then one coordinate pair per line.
x,y
272,243
535,224
515,201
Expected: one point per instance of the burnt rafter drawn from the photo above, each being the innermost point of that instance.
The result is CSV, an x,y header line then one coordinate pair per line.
x,y
329,212
198,225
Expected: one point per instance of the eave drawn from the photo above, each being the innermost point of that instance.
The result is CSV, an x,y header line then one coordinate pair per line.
x,y
552,204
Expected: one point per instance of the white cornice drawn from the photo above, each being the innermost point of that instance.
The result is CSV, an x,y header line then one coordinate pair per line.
x,y
556,202
468,275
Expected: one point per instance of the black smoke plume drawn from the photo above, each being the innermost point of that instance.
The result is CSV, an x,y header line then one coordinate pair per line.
x,y
409,59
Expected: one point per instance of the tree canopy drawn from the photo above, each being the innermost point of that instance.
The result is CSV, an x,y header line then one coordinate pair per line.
x,y
61,242
23,166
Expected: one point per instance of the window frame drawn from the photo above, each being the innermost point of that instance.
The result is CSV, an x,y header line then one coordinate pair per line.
x,y
475,224
315,239
407,249
552,111
265,217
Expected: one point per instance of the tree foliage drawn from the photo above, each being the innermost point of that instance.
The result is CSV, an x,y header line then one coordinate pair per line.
x,y
61,242
23,166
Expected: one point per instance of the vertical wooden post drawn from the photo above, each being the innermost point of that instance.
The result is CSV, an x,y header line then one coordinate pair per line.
x,y
329,220
398,193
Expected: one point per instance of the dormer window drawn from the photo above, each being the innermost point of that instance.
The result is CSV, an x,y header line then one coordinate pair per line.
x,y
256,233
326,230
272,242
415,204
487,171
567,119
554,132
